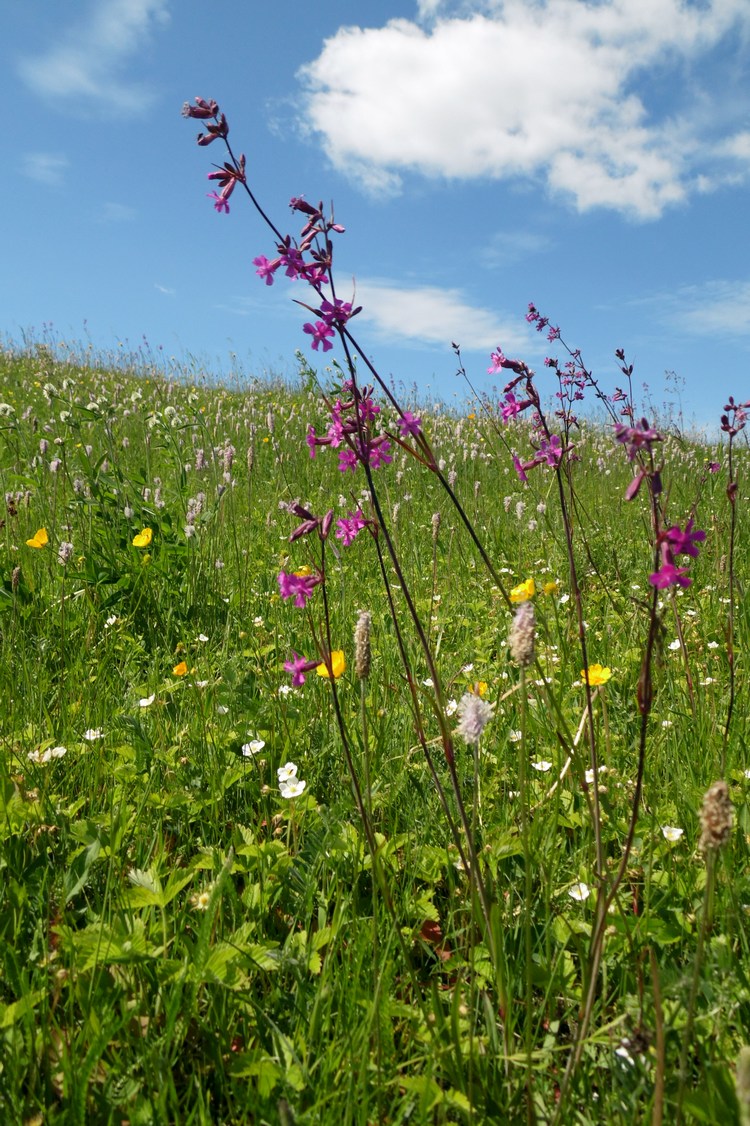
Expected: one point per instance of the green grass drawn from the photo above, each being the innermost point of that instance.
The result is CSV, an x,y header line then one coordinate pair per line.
x,y
179,943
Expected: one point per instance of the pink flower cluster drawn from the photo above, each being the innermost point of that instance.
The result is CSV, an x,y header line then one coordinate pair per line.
x,y
672,543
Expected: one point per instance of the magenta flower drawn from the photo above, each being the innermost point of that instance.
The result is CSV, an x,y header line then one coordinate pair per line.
x,y
379,453
298,587
220,202
669,575
713,467
409,426
520,472
348,460
550,451
636,438
298,666
498,360
337,312
683,543
348,527
320,333
294,262
266,269
512,406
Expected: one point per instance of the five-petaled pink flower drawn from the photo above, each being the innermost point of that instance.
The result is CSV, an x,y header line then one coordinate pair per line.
x,y
320,333
266,269
298,666
349,527
220,203
409,426
298,587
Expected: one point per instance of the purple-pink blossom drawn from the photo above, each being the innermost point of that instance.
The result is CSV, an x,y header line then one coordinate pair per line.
x,y
348,527
684,543
409,425
320,333
298,587
298,666
266,269
669,575
498,360
220,203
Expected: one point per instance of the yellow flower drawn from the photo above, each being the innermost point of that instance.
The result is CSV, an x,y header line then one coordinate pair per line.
x,y
39,539
181,669
479,688
524,591
143,539
303,572
595,675
338,665
551,588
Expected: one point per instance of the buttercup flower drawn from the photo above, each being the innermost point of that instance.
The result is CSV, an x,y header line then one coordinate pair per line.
x,y
181,669
524,591
338,665
144,537
595,675
39,539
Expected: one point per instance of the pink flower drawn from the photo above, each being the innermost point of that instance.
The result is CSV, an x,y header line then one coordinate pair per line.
x,y
298,666
220,203
683,543
348,527
266,269
348,460
669,575
320,333
379,453
409,425
498,360
298,587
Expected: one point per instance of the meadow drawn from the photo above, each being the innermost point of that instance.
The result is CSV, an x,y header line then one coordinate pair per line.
x,y
365,761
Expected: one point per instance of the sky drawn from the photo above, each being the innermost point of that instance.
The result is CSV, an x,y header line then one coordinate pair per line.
x,y
589,156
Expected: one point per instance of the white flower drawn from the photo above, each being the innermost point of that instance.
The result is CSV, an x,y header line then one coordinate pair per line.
x,y
111,620
147,701
590,774
221,709
92,734
253,747
515,736
428,682
674,645
257,622
292,789
202,637
708,680
285,690
542,766
713,645
47,756
671,833
563,599
200,683
667,723
451,707
579,891
286,772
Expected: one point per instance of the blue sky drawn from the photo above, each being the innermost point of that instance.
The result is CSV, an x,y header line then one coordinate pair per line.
x,y
593,158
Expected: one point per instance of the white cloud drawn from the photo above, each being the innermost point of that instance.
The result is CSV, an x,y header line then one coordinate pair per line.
x,y
165,289
44,167
718,308
87,65
555,90
434,316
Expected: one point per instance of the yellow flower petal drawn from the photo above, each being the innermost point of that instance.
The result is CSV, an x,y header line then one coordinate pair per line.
x,y
596,675
143,539
524,591
338,664
181,669
39,539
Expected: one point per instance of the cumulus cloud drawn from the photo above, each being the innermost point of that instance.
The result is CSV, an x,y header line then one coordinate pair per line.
x,y
568,93
44,167
86,66
434,316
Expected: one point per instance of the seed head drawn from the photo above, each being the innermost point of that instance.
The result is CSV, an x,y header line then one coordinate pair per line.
x,y
435,526
716,817
474,714
522,633
362,654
